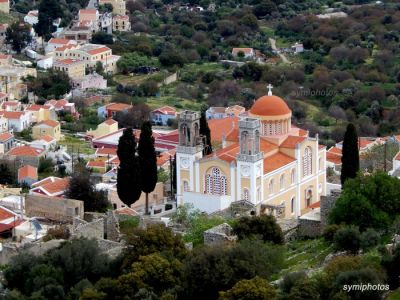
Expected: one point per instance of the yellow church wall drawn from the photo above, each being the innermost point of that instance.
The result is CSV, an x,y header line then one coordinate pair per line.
x,y
312,145
285,198
184,176
310,184
276,177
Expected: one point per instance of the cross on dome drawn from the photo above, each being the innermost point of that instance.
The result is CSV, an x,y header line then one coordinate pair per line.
x,y
269,87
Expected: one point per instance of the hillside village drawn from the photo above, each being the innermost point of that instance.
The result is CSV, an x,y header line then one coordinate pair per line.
x,y
232,142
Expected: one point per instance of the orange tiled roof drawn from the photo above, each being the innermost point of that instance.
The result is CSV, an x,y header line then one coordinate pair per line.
x,y
110,121
222,127
276,161
106,151
25,151
244,50
98,50
335,150
5,214
164,157
58,41
50,123
266,146
27,171
118,106
334,158
270,106
96,164
47,138
227,154
57,186
12,114
88,11
292,141
5,136
34,107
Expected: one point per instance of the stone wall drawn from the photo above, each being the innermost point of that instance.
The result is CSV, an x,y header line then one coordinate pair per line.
x,y
53,208
219,235
112,227
309,228
327,203
92,230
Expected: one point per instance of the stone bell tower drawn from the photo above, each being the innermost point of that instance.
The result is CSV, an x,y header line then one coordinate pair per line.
x,y
190,150
250,164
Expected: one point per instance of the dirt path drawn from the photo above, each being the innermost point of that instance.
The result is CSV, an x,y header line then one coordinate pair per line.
x,y
282,56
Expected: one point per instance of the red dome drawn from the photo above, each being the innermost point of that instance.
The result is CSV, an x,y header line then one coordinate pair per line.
x,y
270,106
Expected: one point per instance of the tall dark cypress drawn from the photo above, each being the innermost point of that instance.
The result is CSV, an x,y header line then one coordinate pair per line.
x,y
128,177
350,156
148,161
206,132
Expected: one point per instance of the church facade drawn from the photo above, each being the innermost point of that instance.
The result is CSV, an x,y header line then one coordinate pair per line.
x,y
264,161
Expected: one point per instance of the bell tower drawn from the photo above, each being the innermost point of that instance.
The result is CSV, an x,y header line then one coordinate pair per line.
x,y
250,163
188,152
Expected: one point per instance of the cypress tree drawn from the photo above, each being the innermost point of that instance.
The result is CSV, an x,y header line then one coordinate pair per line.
x,y
205,131
148,161
128,177
350,157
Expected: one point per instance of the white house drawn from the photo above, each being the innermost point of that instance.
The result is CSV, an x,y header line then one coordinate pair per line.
x,y
17,120
298,48
160,116
91,81
247,52
54,43
46,62
32,17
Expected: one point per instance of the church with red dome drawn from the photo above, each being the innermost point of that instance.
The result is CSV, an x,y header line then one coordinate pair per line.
x,y
264,162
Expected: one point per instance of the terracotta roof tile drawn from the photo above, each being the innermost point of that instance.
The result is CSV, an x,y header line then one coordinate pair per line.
x,y
50,123
222,127
12,114
98,50
58,41
27,171
5,136
118,106
110,121
292,141
276,161
106,151
25,151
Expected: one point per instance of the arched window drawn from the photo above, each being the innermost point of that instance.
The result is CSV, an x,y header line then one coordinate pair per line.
x,y
271,186
292,205
279,127
282,182
185,186
215,183
246,195
292,176
307,162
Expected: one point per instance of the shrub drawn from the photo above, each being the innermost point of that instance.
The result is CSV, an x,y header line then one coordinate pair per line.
x,y
329,232
369,239
59,232
348,239
263,226
291,279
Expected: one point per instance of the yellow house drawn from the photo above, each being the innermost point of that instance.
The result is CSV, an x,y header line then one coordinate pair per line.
x,y
264,162
48,127
121,23
73,67
107,127
41,112
119,6
5,6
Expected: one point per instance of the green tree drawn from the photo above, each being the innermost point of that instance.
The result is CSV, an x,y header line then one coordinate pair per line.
x,y
102,38
251,289
99,67
368,202
206,133
129,61
350,155
348,239
263,226
49,10
214,269
6,175
147,161
81,188
53,84
18,35
156,238
128,177
154,273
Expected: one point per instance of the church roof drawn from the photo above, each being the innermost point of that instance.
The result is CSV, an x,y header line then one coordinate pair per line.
x,y
222,127
276,161
270,105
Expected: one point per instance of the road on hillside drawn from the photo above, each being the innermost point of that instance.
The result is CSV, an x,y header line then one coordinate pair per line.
x,y
281,55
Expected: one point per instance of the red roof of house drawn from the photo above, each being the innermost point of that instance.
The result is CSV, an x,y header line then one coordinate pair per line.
x,y
98,50
34,107
58,41
27,171
315,205
110,121
25,151
106,151
118,106
47,138
244,50
5,136
52,185
222,127
165,110
12,114
50,123
96,164
88,11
